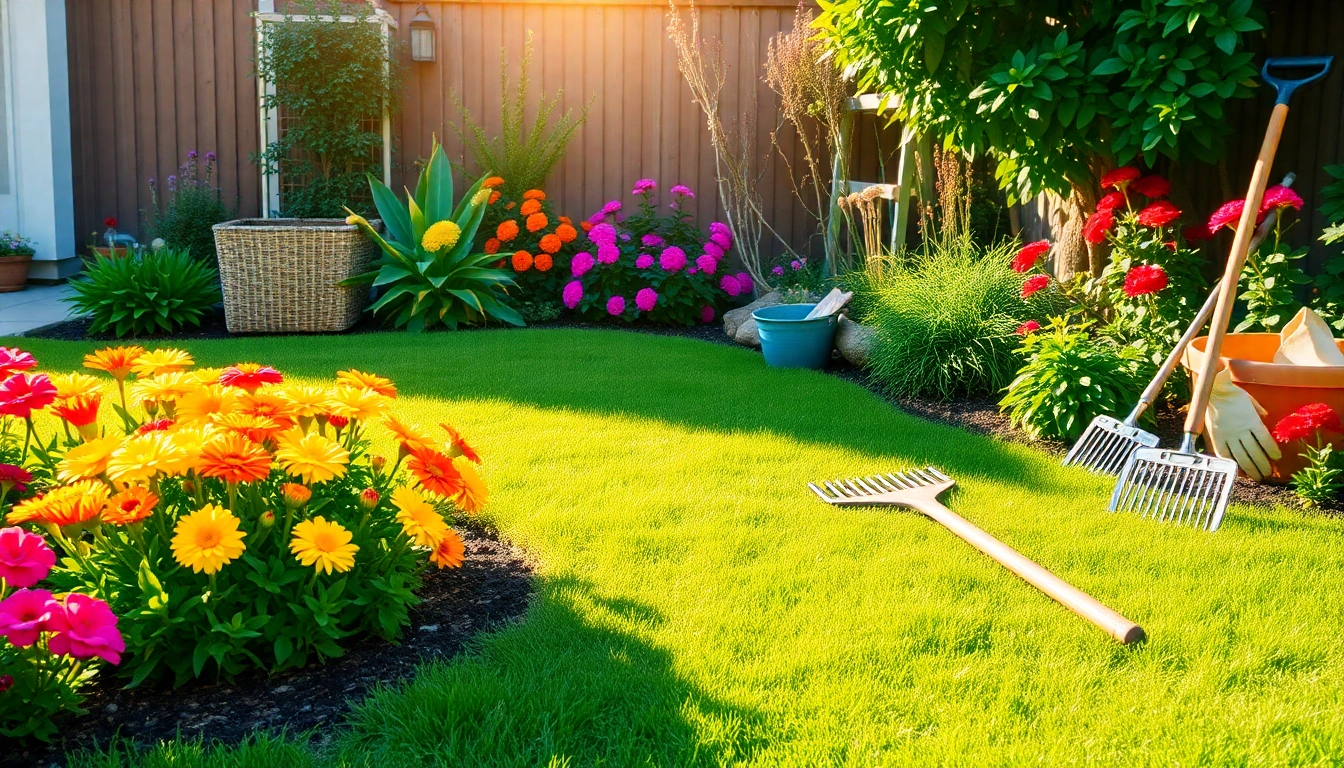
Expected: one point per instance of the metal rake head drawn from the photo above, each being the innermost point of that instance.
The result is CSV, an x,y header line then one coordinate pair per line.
x,y
900,488
1107,444
1185,488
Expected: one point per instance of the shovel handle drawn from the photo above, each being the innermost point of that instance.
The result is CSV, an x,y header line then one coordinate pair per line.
x,y
1066,594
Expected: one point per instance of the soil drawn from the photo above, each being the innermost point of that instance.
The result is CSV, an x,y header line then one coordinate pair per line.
x,y
493,586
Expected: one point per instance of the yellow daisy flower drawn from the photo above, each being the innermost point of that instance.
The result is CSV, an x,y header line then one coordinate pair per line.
x,y
440,235
202,405
159,361
207,375
87,460
357,404
70,385
361,380
305,402
418,518
311,457
207,539
163,387
323,544
143,456
117,361
474,494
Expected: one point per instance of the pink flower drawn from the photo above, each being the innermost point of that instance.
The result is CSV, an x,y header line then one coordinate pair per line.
x,y
603,234
730,285
672,259
15,477
1228,213
646,299
581,263
684,191
22,394
608,254
13,360
692,271
1031,326
651,240
706,314
616,306
707,263
723,240
719,227
25,558
777,271
744,283
612,207
27,613
91,631
249,377
795,265
1034,284
644,261
573,293
714,249
644,187
1277,196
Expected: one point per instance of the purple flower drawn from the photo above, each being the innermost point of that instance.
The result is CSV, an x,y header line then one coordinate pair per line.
x,y
209,157
651,240
723,240
603,233
153,183
672,259
597,217
730,285
744,282
579,266
692,271
644,261
608,253
573,293
797,265
707,263
172,182
191,155
644,187
777,271
718,227
616,306
625,237
612,207
685,191
706,314
714,249
646,299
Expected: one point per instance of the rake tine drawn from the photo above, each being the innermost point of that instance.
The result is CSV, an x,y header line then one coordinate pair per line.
x,y
896,481
940,475
910,479
1153,494
1171,492
926,477
820,493
850,485
1115,458
880,483
866,487
1097,448
840,494
1198,487
1201,503
1131,492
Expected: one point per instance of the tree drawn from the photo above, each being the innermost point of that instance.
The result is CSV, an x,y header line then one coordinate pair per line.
x,y
1056,91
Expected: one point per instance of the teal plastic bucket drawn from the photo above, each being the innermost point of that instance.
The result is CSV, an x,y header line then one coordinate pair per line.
x,y
789,341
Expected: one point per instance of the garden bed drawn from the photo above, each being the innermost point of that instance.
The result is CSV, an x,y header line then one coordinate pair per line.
x,y
492,586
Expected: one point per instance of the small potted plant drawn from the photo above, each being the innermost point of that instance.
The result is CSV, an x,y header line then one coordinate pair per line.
x,y
16,255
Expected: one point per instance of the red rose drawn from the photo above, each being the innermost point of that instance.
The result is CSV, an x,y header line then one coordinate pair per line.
x,y
1111,200
1144,279
1119,177
1098,224
1279,196
1229,213
1031,326
1034,284
1026,258
1151,186
110,221
1158,214
1301,423
1196,234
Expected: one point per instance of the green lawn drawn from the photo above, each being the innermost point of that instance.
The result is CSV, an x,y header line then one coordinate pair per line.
x,y
698,606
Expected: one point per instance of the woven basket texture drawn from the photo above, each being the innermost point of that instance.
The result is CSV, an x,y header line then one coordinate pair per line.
x,y
283,275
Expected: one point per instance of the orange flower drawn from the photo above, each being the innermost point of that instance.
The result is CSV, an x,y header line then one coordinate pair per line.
x,y
537,222
130,506
550,243
74,504
587,226
436,473
506,231
256,428
534,194
279,409
566,220
296,495
117,361
494,198
492,182
234,459
457,446
449,552
80,410
529,207
361,380
492,245
474,494
566,231
509,205
543,262
522,261
411,439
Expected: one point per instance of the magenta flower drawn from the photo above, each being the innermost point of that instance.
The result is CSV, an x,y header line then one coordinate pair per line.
x,y
646,299
14,360
91,631
1279,196
644,261
777,271
608,253
685,191
744,282
692,271
730,285
706,314
12,476
581,263
644,187
603,234
612,207
672,259
707,263
25,558
651,240
717,227
795,265
27,613
723,240
573,293
616,306
714,249
22,394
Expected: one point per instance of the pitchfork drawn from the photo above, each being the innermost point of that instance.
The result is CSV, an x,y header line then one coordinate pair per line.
x,y
918,489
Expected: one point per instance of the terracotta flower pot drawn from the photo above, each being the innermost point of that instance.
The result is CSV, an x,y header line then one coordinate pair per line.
x,y
1280,389
14,272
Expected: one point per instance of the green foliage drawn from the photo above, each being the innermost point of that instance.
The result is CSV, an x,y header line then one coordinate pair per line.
x,y
186,216
12,244
522,154
332,80
145,293
1069,379
36,685
1328,286
1048,88
1269,284
450,285
1322,479
947,325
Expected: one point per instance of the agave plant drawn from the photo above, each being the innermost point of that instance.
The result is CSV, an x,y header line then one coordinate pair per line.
x,y
432,275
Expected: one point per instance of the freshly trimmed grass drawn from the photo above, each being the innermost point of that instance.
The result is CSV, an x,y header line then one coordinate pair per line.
x,y
698,606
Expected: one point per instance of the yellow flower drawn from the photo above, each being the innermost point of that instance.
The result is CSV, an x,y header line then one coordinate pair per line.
x,y
358,404
190,442
207,375
207,539
474,494
76,385
418,518
311,457
305,402
323,544
481,196
203,404
361,380
87,460
143,456
29,509
440,235
76,503
159,361
163,387
117,361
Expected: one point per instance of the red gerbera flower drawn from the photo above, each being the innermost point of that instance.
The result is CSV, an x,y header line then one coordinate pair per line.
x,y
1119,177
1144,279
1026,258
110,221
1098,224
1196,234
1300,424
80,410
1031,326
22,394
1158,214
1279,196
436,473
1228,213
162,425
1151,186
15,476
249,376
14,360
1034,284
1111,200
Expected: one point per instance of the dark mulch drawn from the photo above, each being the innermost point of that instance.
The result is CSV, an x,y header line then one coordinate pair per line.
x,y
494,585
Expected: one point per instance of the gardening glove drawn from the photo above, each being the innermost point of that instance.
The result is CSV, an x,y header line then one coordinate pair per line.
x,y
1233,426
1307,340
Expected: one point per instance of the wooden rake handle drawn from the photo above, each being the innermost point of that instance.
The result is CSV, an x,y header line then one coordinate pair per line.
x,y
1066,594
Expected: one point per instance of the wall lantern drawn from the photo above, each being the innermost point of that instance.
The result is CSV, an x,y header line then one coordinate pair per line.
x,y
422,35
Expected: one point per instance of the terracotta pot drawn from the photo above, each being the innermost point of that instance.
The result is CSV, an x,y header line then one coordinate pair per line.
x,y
1280,389
14,272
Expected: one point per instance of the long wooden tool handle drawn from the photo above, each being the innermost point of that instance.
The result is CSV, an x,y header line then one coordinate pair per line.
x,y
1069,596
1194,420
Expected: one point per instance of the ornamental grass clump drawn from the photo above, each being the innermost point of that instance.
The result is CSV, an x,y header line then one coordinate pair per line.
x,y
139,294
234,520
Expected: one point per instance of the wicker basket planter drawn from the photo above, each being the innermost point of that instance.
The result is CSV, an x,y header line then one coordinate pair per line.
x,y
283,275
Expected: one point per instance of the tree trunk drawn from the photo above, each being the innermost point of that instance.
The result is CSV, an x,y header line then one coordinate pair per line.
x,y
1073,254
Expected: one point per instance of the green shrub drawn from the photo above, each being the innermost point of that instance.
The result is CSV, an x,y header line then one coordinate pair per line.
x,y
946,325
1069,378
154,292
186,213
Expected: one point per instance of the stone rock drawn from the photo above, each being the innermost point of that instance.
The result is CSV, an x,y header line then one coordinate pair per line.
x,y
734,318
854,341
748,334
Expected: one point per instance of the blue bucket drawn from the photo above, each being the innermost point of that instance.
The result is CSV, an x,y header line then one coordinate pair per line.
x,y
789,341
